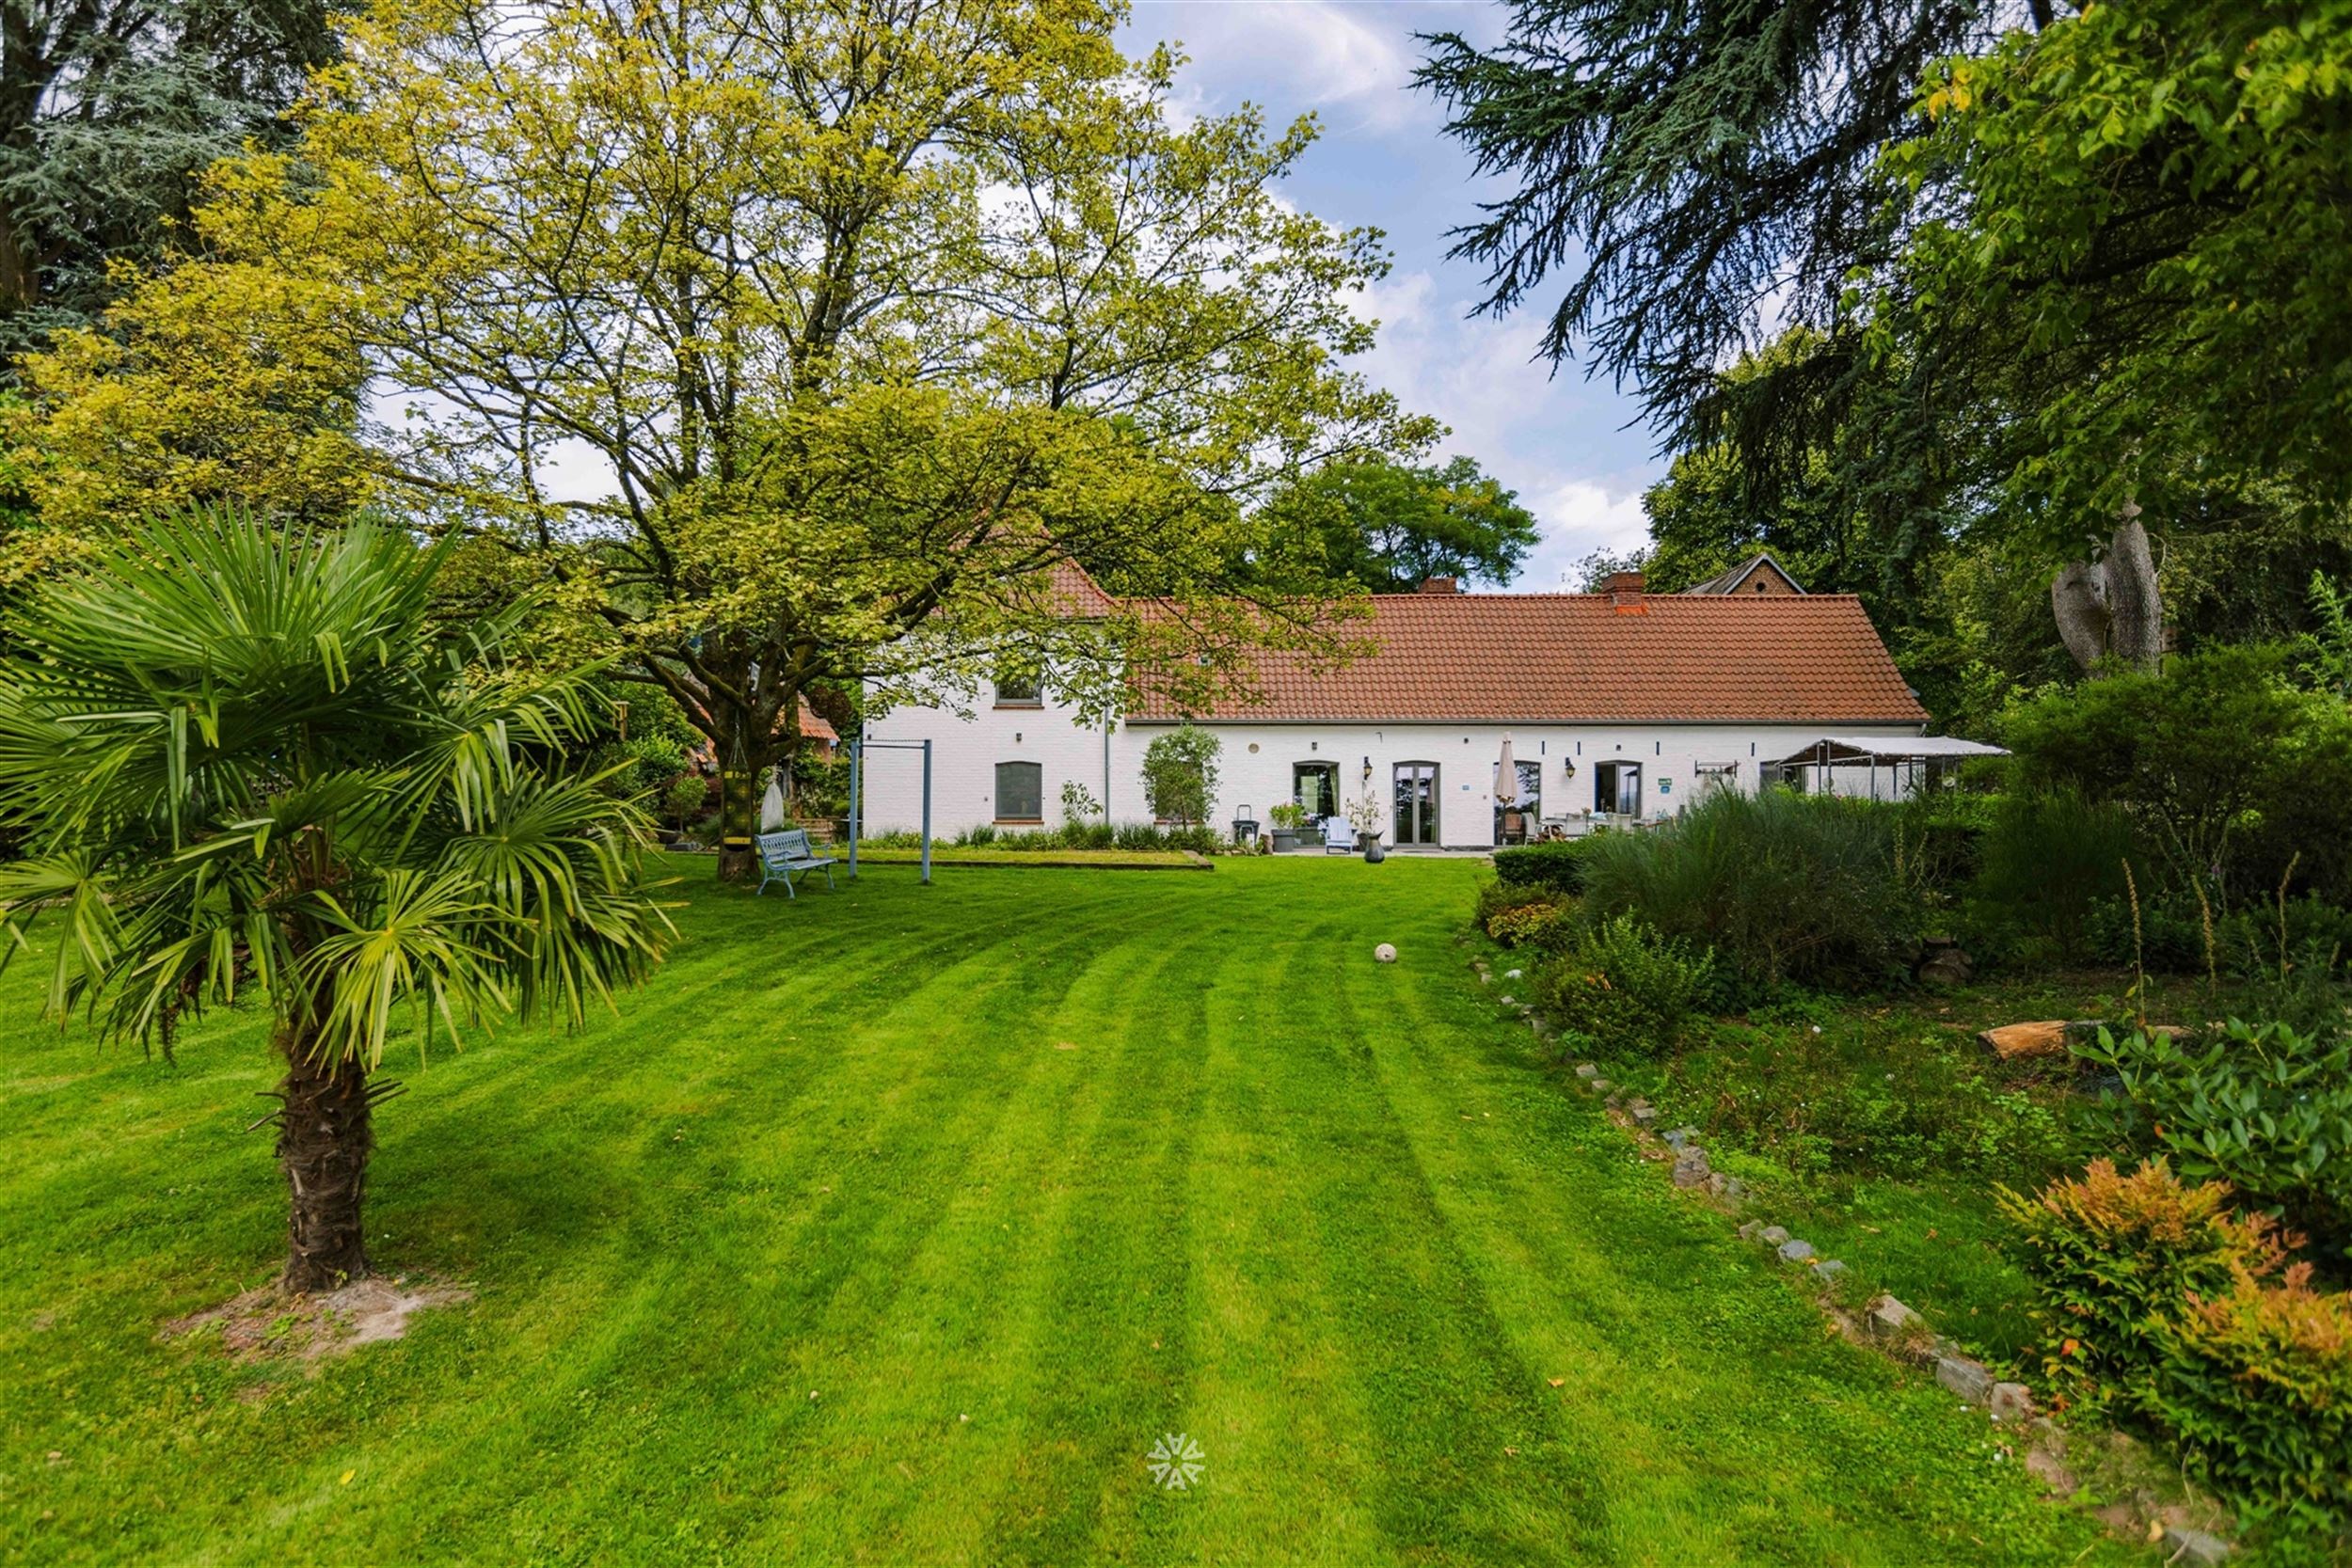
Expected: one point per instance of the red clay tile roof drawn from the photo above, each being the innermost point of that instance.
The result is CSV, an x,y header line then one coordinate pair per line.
x,y
814,725
1073,591
1571,658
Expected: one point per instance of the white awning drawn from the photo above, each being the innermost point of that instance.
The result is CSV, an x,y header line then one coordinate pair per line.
x,y
1876,749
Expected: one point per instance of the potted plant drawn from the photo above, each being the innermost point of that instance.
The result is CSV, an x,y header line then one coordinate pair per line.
x,y
1363,814
1286,819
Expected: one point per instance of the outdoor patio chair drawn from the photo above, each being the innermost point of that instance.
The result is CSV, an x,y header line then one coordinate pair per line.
x,y
785,855
1339,836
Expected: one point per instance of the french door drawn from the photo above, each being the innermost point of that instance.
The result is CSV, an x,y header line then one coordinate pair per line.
x,y
1417,802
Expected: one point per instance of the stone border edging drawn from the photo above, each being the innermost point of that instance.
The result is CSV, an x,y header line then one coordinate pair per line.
x,y
1887,1325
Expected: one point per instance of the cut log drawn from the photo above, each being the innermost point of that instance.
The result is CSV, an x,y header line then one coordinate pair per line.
x,y
2014,1042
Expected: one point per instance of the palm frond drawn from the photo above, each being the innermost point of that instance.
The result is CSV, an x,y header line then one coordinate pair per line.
x,y
249,759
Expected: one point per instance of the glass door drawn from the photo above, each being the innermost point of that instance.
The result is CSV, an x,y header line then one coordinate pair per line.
x,y
1617,788
1315,786
1417,802
1513,823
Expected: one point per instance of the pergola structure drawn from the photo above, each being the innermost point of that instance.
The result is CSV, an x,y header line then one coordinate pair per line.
x,y
1911,759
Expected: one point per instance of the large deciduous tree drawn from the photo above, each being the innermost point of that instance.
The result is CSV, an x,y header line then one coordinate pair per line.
x,y
109,109
248,764
1390,526
815,342
2136,224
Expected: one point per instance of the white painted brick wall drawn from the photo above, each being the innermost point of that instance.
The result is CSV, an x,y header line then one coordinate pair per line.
x,y
965,752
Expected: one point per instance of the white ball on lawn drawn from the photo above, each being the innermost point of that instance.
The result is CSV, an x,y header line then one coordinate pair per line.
x,y
1384,953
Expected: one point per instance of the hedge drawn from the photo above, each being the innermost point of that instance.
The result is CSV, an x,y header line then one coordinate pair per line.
x,y
1558,864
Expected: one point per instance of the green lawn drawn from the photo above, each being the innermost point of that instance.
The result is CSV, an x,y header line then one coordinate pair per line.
x,y
895,1224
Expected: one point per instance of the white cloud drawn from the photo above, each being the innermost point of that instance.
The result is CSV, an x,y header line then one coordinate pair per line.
x,y
1579,516
1555,439
1321,55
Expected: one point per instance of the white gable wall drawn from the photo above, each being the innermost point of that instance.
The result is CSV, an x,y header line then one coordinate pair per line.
x,y
965,752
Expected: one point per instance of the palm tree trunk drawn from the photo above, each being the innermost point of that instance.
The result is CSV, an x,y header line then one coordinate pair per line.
x,y
324,1136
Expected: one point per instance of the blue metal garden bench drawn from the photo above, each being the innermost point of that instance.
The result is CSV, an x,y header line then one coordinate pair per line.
x,y
785,855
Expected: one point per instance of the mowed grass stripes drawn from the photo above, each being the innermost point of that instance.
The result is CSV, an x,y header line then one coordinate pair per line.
x,y
895,1226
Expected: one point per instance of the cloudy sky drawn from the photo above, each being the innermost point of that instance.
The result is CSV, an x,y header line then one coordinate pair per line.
x,y
1562,441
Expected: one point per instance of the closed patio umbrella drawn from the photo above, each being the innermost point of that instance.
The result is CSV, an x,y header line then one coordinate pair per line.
x,y
1507,775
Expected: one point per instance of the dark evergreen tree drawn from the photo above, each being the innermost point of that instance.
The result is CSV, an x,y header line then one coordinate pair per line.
x,y
108,110
1697,167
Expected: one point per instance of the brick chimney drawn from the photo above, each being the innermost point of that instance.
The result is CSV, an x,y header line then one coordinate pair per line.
x,y
1442,585
1623,589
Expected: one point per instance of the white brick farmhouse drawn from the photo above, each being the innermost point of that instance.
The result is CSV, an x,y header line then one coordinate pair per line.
x,y
1619,705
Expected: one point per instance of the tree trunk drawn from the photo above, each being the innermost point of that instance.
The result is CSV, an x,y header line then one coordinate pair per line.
x,y
2113,604
324,1136
746,758
2137,632
2079,599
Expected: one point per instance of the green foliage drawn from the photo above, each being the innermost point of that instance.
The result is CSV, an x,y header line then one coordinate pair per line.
x,y
2112,1256
1555,864
2047,861
2258,1383
1627,986
2142,216
2155,1299
113,109
248,765
1781,886
2329,665
1079,808
1141,836
1684,162
1392,526
2263,1107
1289,816
1826,1095
1180,774
685,798
2227,769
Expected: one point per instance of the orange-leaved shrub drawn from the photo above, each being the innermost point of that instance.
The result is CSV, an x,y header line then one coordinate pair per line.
x,y
2259,1381
1525,915
2160,1301
2111,1254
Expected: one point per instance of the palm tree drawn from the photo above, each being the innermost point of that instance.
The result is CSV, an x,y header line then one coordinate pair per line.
x,y
251,766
